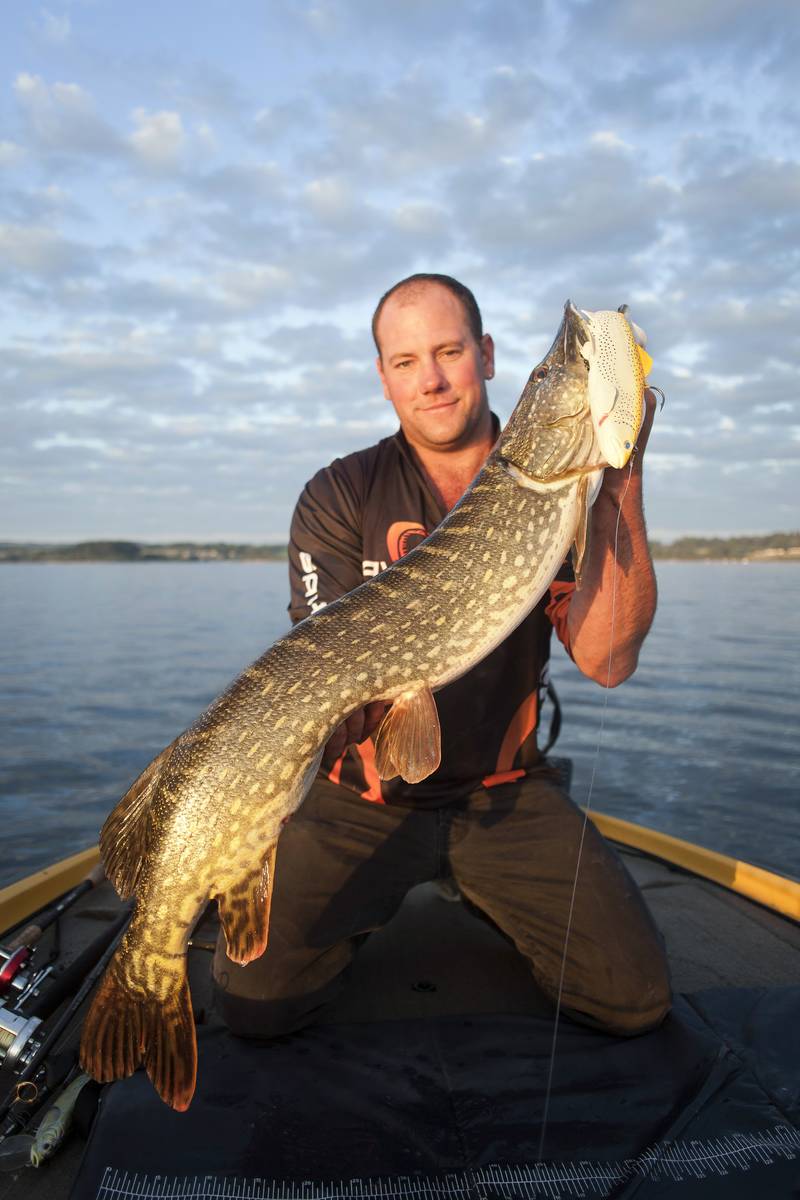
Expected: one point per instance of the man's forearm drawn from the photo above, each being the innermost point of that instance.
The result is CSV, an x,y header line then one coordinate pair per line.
x,y
617,587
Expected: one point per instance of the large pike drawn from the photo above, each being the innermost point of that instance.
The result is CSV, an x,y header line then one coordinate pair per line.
x,y
203,819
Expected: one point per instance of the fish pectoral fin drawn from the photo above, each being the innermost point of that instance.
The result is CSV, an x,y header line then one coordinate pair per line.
x,y
244,911
124,836
582,531
409,738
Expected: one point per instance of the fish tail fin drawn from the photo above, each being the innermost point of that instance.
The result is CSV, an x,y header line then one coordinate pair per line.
x,y
112,1037
171,1055
122,1030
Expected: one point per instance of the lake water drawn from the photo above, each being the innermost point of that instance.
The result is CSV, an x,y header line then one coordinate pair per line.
x,y
101,665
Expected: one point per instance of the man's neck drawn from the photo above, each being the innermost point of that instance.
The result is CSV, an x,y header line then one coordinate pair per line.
x,y
450,472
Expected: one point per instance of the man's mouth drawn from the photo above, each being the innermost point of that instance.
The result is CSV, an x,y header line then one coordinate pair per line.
x,y
441,404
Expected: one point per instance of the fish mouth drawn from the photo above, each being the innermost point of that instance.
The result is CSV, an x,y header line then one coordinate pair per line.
x,y
573,333
577,321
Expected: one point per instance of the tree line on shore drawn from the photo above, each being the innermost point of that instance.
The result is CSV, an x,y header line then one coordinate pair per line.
x,y
120,551
752,548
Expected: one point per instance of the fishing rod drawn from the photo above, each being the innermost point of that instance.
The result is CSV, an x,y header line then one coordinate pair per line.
x,y
19,942
23,1048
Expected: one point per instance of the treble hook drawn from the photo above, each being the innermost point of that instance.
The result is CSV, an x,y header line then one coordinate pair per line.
x,y
659,392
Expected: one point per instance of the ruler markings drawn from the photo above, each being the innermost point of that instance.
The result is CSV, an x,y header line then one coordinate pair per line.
x,y
677,1161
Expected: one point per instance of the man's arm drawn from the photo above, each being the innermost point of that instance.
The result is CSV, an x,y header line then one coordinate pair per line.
x,y
621,585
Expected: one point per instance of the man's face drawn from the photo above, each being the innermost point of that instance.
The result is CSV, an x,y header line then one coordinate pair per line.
x,y
433,370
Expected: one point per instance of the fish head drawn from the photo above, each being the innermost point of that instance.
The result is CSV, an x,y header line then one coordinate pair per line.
x,y
552,416
614,352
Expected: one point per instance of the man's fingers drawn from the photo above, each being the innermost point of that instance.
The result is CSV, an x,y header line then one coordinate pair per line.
x,y
647,420
373,715
335,746
358,726
354,725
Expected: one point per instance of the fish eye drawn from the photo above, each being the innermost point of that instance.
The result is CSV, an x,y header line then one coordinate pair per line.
x,y
540,373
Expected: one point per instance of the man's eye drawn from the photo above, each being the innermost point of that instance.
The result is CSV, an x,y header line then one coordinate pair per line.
x,y
399,366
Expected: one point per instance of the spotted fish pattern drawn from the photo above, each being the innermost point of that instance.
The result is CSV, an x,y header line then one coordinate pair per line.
x,y
203,820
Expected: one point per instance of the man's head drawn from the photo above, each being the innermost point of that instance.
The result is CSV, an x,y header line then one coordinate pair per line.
x,y
434,360
414,283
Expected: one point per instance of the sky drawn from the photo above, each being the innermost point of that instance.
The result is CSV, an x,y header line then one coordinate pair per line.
x,y
201,203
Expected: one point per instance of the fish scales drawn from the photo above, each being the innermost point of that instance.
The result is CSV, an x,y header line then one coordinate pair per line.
x,y
204,819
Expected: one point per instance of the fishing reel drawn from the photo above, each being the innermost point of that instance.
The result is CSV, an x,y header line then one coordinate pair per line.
x,y
18,1040
23,1004
20,982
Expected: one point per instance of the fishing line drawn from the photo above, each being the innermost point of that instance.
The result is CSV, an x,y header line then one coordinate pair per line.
x,y
551,1066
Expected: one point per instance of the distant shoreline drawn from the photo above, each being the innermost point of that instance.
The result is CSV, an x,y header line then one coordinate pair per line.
x,y
772,547
140,552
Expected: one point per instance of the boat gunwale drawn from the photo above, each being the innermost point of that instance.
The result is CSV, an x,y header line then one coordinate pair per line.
x,y
772,890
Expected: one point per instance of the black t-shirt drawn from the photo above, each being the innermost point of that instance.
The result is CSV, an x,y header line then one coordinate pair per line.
x,y
355,518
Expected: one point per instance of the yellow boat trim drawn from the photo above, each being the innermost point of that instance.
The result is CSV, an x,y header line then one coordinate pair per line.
x,y
20,899
30,894
774,891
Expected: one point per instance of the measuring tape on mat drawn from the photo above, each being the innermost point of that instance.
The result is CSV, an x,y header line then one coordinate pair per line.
x,y
677,1162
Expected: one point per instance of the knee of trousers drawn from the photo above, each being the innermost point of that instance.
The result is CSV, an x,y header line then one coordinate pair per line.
x,y
257,1018
630,1023
625,998
642,1003
623,1021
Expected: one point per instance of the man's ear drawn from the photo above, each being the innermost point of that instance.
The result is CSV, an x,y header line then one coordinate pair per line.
x,y
379,365
487,356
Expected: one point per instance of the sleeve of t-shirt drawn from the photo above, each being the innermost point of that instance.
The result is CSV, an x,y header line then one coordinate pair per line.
x,y
325,542
562,590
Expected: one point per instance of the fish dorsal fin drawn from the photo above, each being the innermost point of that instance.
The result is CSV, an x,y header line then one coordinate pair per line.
x,y
409,739
124,837
244,911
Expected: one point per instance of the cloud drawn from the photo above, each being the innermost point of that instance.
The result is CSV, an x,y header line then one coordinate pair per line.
x,y
201,246
61,118
40,253
10,154
67,442
158,139
279,121
681,22
55,28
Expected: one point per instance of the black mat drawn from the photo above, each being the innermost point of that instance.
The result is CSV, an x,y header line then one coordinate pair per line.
x,y
454,1095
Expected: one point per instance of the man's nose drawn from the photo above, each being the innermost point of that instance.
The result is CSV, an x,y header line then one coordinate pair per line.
x,y
431,377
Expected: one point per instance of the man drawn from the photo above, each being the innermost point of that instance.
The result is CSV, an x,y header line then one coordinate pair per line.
x,y
492,815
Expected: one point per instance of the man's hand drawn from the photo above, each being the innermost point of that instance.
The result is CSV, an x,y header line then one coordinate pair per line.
x,y
358,726
616,480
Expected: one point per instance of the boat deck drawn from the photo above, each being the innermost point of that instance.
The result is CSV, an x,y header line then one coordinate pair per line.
x,y
714,939
435,958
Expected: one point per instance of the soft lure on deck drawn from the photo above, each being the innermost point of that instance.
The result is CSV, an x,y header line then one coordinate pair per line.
x,y
203,820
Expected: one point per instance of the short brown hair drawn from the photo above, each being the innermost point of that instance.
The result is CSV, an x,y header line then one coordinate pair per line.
x,y
459,290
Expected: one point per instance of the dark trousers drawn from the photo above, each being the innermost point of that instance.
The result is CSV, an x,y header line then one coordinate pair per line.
x,y
344,866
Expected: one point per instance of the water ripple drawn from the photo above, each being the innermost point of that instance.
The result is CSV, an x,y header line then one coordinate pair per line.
x,y
103,664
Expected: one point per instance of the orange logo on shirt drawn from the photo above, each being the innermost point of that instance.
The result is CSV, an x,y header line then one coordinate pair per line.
x,y
403,536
